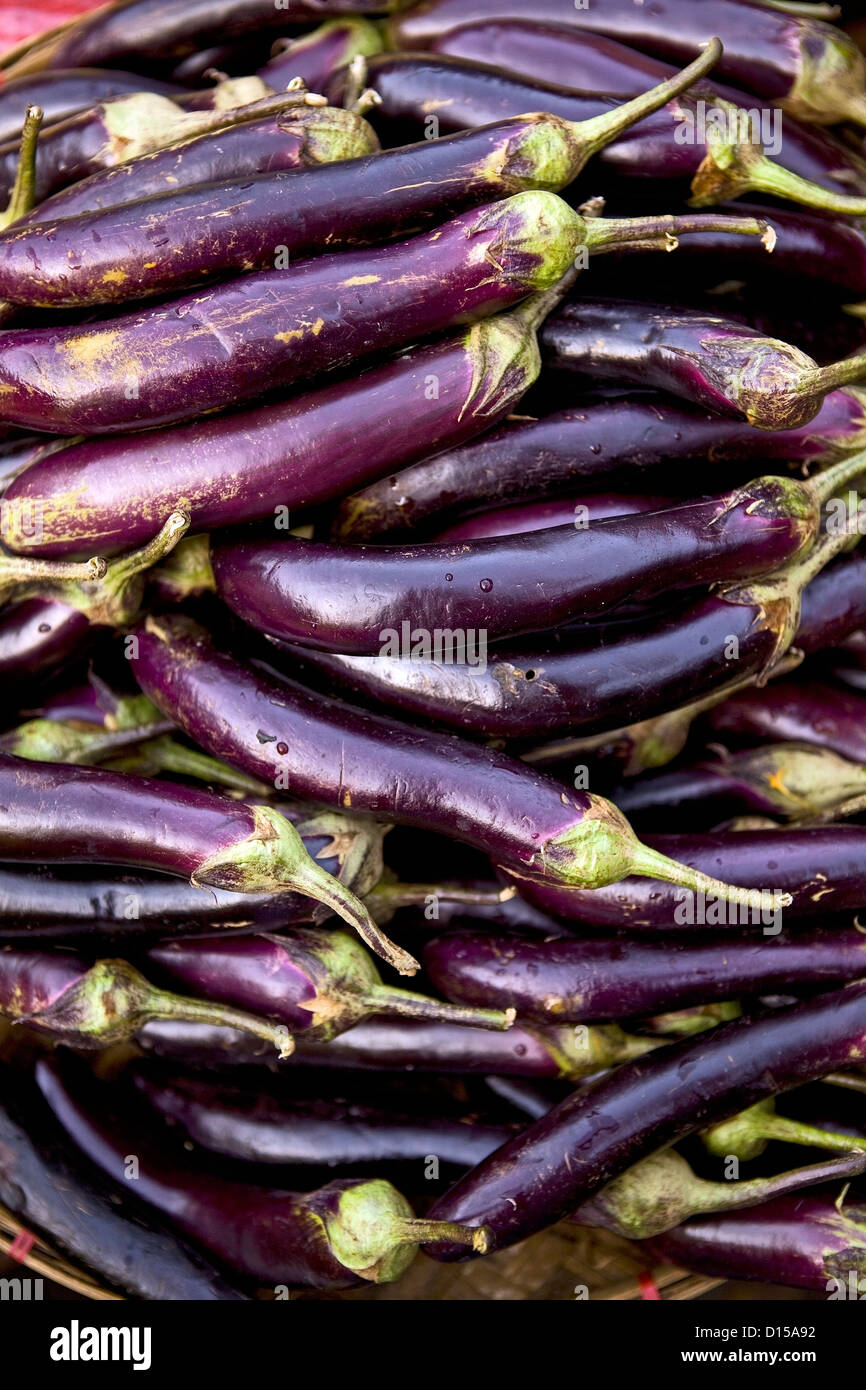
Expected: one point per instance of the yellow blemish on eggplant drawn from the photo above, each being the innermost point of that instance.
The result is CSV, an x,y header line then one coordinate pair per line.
x,y
362,280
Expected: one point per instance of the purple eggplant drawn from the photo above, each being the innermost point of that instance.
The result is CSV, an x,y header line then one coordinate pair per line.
x,y
538,516
587,446
796,711
410,1045
67,91
259,1128
39,637
608,676
157,246
110,818
820,867
225,345
714,146
290,455
813,69
713,362
44,1185
317,55
172,29
599,978
647,1105
302,136
48,905
662,1191
809,1242
338,754
94,1006
353,1231
369,600
317,982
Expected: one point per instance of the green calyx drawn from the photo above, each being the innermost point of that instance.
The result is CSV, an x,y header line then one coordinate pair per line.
x,y
503,352
541,152
531,239
374,1233
745,1136
187,571
582,1051
274,859
112,1001
348,988
799,779
330,133
830,81
761,377
356,844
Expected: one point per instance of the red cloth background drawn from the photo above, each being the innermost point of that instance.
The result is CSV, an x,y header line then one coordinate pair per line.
x,y
20,20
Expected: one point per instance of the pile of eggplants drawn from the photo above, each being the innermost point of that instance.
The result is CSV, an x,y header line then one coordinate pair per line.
x,y
432,615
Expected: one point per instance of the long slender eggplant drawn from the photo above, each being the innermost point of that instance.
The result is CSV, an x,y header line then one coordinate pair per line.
x,y
598,978
115,131
225,345
174,28
808,1242
91,1006
109,818
353,1231
317,982
355,600
586,509
68,91
300,137
262,462
615,675
47,905
820,867
662,1191
718,157
410,1045
806,711
75,1210
788,781
710,361
649,1104
317,55
157,246
340,755
632,438
812,69
259,1128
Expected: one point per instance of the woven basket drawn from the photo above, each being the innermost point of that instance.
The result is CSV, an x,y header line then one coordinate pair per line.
x,y
558,1264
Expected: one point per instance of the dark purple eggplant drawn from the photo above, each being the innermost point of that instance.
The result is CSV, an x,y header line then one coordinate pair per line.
x,y
92,1006
715,146
588,508
157,246
317,55
114,131
67,91
111,818
43,1184
804,1241
647,1105
172,29
390,601
222,346
410,1045
813,69
821,868
353,1231
258,1128
617,674
598,978
786,781
293,454
662,1191
302,136
713,362
798,711
631,438
317,982
39,637
339,755
49,905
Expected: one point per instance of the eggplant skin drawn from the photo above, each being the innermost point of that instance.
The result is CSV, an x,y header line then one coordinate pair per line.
x,y
51,1191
